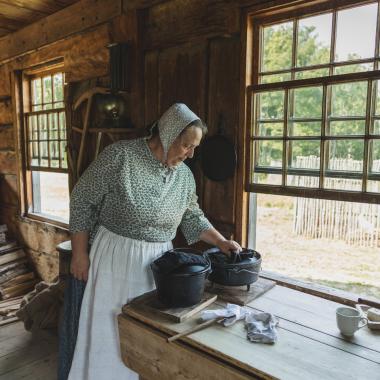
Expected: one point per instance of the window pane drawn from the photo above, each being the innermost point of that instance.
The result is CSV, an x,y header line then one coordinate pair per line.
x,y
302,181
44,153
273,78
271,129
270,153
53,126
375,156
51,195
346,155
270,105
305,154
373,186
267,179
30,127
58,87
356,31
42,124
34,151
36,94
277,47
305,74
46,83
327,242
359,67
376,85
347,127
62,125
307,102
314,39
59,105
376,127
349,99
304,128
54,154
343,184
63,155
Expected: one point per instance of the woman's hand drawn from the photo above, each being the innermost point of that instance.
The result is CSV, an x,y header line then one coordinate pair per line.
x,y
80,263
214,237
228,246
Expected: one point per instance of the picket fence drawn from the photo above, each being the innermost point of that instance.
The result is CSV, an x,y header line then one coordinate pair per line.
x,y
355,223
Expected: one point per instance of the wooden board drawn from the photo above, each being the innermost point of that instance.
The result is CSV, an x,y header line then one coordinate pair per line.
x,y
315,313
301,352
74,19
239,294
25,355
145,351
150,302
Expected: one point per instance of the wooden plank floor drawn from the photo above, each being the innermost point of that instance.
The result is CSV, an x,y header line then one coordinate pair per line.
x,y
27,356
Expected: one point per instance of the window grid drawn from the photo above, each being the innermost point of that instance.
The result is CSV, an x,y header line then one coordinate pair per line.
x,y
331,65
45,125
325,137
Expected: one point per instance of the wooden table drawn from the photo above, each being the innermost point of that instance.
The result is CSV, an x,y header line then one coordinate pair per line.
x,y
309,345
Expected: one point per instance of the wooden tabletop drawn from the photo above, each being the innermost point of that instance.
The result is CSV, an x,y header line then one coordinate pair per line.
x,y
309,344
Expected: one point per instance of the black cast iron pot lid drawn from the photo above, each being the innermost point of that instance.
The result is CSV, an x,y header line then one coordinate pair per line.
x,y
246,257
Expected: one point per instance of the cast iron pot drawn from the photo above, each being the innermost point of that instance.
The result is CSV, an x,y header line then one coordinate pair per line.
x,y
234,271
183,287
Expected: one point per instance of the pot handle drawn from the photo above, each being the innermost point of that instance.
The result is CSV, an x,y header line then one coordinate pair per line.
x,y
238,270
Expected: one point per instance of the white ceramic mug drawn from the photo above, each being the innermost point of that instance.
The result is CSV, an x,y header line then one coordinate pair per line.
x,y
349,320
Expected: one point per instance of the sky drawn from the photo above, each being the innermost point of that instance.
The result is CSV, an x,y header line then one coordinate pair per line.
x,y
356,30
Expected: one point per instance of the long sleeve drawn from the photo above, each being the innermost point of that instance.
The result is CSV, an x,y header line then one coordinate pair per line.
x,y
194,222
89,192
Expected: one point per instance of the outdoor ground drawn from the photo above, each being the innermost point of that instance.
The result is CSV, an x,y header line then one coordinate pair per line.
x,y
329,262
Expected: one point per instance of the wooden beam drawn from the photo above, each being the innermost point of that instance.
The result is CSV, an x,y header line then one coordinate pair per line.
x,y
191,20
9,190
8,162
73,19
7,140
44,6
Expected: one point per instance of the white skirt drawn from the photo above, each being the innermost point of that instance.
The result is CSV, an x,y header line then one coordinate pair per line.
x,y
119,271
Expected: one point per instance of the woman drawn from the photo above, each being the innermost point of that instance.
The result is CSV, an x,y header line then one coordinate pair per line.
x,y
128,205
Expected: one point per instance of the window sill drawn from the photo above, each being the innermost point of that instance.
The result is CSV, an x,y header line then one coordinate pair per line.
x,y
41,219
322,291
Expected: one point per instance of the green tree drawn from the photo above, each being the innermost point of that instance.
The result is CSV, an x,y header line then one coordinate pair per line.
x,y
347,99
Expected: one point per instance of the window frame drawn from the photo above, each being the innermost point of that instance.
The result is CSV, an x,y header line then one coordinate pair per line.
x,y
267,17
25,76
253,15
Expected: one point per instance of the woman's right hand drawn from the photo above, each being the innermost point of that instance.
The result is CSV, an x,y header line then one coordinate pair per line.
x,y
80,264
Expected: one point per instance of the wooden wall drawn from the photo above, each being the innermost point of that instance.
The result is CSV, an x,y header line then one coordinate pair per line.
x,y
85,56
187,51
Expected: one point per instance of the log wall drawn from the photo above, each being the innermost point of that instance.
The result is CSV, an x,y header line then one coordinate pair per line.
x,y
85,56
183,51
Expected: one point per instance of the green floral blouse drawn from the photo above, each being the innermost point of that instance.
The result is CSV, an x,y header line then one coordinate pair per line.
x,y
131,193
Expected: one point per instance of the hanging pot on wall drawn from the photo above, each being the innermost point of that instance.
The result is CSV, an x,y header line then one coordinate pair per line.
x,y
218,155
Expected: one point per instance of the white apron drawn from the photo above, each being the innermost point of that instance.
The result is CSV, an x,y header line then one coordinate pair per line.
x,y
119,271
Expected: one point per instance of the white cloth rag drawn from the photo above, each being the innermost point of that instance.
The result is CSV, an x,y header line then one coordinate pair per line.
x,y
261,327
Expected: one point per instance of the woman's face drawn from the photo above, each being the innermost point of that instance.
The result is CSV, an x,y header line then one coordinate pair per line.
x,y
184,145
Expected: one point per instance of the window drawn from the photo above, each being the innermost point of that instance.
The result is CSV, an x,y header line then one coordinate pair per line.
x,y
313,137
314,106
45,144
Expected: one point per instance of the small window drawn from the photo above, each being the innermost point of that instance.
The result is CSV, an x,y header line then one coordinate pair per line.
x,y
45,144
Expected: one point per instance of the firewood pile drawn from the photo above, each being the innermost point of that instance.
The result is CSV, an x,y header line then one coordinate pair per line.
x,y
16,277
